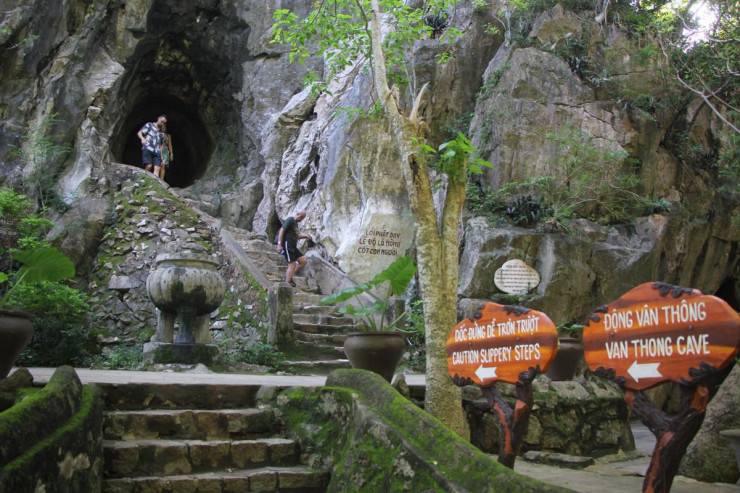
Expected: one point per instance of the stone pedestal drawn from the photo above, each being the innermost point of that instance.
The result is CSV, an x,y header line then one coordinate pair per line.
x,y
186,288
188,354
280,331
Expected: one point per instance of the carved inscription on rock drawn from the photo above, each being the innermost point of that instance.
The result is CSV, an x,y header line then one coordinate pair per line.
x,y
379,242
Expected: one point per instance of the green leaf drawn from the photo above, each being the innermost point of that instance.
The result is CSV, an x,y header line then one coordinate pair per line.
x,y
3,277
44,264
399,274
345,294
482,162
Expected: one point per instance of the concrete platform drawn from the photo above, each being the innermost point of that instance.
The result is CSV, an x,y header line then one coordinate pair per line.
x,y
612,474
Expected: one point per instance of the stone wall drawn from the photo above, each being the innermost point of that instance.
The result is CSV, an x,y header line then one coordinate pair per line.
x,y
51,438
585,416
147,219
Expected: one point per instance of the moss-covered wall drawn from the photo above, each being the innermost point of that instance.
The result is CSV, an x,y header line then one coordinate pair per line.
x,y
373,439
51,438
150,219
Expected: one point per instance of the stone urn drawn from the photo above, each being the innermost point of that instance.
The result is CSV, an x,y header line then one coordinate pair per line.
x,y
378,352
570,352
733,436
16,331
185,287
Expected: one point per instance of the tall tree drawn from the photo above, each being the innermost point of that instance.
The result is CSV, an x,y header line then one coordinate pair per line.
x,y
348,31
705,55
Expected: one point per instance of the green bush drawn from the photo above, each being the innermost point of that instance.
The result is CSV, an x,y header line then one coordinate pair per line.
x,y
241,351
125,357
60,325
415,334
22,228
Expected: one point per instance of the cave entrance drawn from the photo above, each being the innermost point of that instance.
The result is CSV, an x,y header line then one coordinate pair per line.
x,y
191,141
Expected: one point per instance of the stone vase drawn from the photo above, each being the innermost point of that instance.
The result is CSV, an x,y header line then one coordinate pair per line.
x,y
378,352
185,287
570,352
16,331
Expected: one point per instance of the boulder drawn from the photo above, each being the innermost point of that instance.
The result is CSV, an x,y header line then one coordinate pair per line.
x,y
709,457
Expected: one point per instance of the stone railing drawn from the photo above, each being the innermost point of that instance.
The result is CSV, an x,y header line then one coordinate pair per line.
x,y
373,439
51,440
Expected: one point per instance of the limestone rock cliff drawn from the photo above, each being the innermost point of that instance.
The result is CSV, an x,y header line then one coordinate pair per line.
x,y
252,146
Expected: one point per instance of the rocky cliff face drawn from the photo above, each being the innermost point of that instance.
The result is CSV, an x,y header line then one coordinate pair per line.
x,y
252,147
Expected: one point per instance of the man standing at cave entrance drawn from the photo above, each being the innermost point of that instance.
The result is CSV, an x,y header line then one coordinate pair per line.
x,y
287,244
150,136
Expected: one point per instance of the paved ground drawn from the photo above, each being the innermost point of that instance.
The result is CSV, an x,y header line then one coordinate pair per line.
x,y
617,475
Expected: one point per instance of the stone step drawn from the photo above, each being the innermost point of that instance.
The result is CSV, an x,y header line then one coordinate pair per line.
x,y
324,329
283,479
199,424
270,259
316,351
267,265
260,245
140,396
314,366
321,319
245,235
134,458
307,299
317,309
324,339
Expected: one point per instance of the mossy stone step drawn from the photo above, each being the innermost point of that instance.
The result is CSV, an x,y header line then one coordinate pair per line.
x,y
322,319
312,367
132,458
138,396
267,257
201,424
283,479
315,309
320,339
302,298
324,329
312,350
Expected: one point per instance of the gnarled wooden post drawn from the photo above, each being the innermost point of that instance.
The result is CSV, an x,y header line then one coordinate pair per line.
x,y
673,433
514,421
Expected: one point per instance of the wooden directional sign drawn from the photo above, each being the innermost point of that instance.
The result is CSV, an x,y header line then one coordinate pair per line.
x,y
498,344
657,332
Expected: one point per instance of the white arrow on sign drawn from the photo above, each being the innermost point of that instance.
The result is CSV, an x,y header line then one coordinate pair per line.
x,y
643,370
485,373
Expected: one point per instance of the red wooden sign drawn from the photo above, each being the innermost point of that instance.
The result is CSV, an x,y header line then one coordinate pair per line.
x,y
657,332
498,344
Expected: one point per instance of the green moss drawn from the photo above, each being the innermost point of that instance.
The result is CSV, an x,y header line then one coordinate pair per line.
x,y
86,405
368,450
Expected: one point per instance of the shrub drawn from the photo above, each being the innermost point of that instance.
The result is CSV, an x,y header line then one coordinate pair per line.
x,y
241,351
415,331
124,357
60,325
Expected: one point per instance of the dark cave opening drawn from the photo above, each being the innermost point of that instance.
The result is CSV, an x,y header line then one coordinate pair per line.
x,y
191,142
730,292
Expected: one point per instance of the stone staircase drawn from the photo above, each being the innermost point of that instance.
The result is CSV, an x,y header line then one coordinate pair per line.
x,y
154,442
319,330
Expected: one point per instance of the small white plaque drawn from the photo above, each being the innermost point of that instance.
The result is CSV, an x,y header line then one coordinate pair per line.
x,y
516,277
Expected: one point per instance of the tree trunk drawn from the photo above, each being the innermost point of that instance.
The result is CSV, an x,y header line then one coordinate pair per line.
x,y
437,248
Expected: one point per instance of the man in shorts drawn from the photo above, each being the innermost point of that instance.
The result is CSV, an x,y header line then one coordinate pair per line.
x,y
287,244
150,136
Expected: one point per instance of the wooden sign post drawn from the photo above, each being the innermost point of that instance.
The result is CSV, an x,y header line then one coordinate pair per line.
x,y
656,333
509,344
